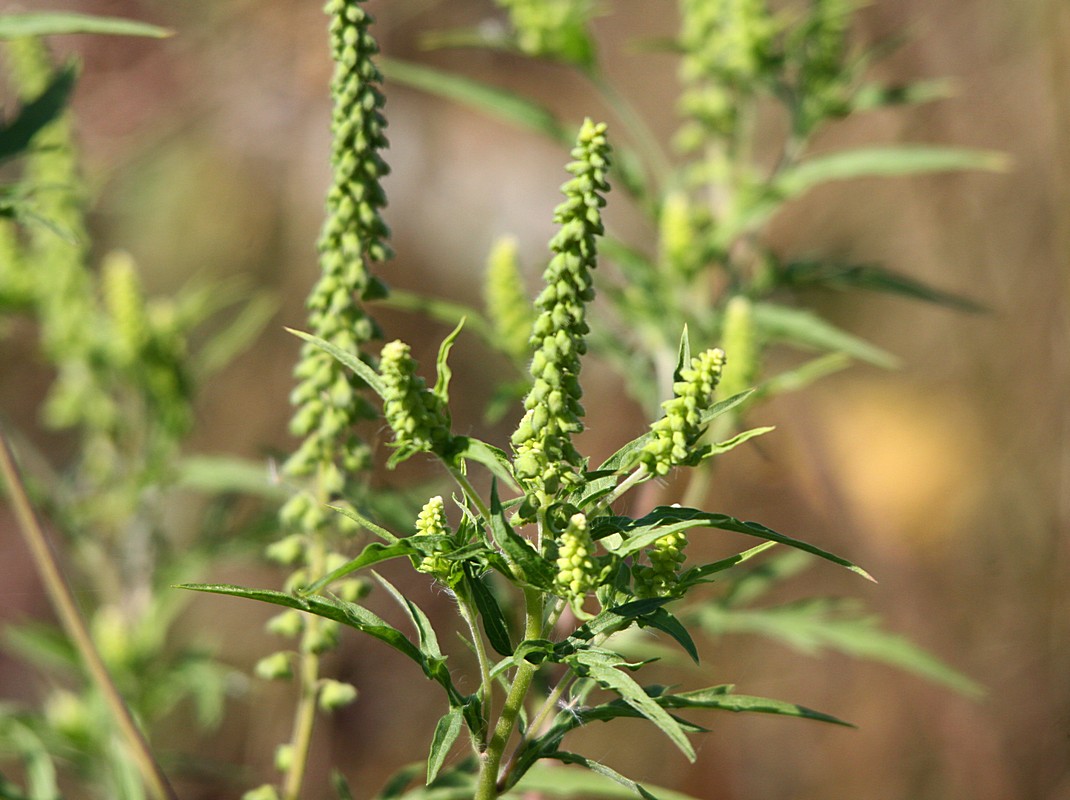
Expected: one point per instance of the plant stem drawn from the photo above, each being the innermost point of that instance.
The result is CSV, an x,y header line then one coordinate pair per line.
x,y
487,785
469,490
67,611
308,675
481,655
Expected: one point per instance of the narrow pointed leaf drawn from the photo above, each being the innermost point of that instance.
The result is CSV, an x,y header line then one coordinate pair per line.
x,y
797,327
667,623
363,370
487,99
445,735
489,612
349,614
872,277
489,456
372,554
17,26
602,769
536,569
717,698
665,519
575,784
442,382
428,639
366,523
15,137
606,672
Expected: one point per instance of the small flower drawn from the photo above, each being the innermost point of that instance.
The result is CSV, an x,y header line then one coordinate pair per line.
x,y
666,556
675,436
576,571
417,415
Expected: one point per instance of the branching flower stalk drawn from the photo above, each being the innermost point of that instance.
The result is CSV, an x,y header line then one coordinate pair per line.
x,y
329,402
547,463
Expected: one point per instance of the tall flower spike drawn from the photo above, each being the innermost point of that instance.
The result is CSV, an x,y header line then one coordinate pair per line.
x,y
546,461
675,435
327,399
417,415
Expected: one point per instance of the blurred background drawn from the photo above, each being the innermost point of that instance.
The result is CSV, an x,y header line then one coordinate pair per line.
x,y
948,479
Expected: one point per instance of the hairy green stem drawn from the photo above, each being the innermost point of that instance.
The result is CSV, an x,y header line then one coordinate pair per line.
x,y
481,655
490,761
63,601
308,675
469,490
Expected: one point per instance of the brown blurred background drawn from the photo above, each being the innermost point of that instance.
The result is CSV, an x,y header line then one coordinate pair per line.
x,y
948,479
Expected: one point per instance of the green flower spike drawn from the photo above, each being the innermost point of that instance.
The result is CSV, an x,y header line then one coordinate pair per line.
x,y
432,522
507,303
327,398
727,45
675,435
666,556
417,415
546,461
576,573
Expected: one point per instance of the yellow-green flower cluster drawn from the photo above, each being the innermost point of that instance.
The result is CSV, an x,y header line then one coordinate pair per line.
x,y
432,522
676,434
666,556
740,338
727,45
554,29
328,398
417,415
546,461
507,302
576,572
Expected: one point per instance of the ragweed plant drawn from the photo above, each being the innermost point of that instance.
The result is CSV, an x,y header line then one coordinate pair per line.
x,y
579,571
757,84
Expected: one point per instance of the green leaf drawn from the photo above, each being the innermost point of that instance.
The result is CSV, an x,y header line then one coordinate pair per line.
x,y
604,771
489,456
17,26
490,100
698,574
664,520
442,382
222,348
349,614
536,570
720,697
683,356
667,623
805,374
801,328
341,786
849,164
428,639
446,732
366,523
15,136
603,667
221,474
812,626
489,612
730,444
574,784
871,277
372,554
363,370
885,162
